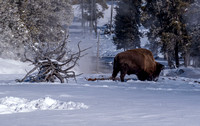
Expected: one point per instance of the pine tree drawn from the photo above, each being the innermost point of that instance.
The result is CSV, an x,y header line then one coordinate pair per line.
x,y
168,27
127,22
195,47
25,22
192,18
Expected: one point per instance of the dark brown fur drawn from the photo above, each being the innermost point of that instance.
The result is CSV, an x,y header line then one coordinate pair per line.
x,y
136,61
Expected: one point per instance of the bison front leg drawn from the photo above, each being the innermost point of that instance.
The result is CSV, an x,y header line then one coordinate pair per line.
x,y
142,75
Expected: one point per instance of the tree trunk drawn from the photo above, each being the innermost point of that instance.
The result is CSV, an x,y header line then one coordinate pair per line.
x,y
176,55
169,60
95,17
83,18
187,59
111,15
91,16
82,21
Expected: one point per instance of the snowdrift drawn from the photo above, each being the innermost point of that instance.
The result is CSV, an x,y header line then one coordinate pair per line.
x,y
9,105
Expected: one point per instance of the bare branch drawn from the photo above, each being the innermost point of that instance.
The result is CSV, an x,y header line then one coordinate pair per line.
x,y
49,69
28,73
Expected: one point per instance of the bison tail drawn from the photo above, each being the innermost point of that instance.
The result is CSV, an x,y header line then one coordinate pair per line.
x,y
116,64
115,69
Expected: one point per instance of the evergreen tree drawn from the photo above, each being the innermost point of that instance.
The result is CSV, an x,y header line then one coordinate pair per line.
x,y
192,18
127,22
195,47
168,27
25,22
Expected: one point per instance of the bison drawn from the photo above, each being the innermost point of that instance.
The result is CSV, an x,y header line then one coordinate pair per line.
x,y
139,62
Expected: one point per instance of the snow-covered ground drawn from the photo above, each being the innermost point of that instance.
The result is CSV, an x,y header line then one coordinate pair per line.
x,y
172,101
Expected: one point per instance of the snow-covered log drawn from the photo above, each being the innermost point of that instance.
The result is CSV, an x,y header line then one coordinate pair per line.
x,y
51,64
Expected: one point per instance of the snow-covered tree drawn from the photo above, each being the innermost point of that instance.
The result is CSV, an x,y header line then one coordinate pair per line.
x,y
28,22
167,26
192,17
13,34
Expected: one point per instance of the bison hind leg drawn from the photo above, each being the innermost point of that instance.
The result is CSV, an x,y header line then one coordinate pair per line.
x,y
122,75
124,71
115,69
114,74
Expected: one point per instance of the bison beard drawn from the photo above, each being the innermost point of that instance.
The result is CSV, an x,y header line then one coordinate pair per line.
x,y
139,62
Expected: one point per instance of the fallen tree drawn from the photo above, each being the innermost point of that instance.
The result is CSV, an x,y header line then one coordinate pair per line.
x,y
51,64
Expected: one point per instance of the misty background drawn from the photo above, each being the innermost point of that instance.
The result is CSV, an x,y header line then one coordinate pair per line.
x,y
170,29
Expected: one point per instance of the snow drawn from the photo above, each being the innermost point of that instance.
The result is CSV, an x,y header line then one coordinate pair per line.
x,y
188,72
9,66
10,105
171,101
